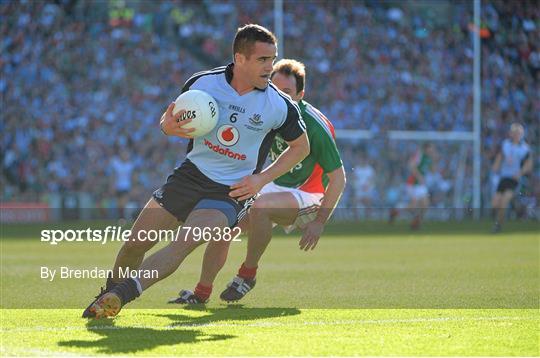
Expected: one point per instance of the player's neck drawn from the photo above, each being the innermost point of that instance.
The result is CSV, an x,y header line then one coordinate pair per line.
x,y
241,87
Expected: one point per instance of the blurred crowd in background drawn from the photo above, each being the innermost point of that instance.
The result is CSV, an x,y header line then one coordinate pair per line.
x,y
84,83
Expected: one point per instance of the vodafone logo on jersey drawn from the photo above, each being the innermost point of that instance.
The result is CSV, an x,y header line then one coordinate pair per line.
x,y
224,151
228,135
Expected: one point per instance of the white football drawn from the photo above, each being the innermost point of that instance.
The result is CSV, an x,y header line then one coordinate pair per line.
x,y
201,108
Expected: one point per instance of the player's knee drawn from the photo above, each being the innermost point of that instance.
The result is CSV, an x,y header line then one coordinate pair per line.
x,y
260,208
137,246
217,244
258,216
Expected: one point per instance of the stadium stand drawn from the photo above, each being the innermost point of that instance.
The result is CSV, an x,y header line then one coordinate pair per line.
x,y
82,81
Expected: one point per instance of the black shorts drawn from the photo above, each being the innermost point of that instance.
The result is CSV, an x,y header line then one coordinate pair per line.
x,y
506,184
187,189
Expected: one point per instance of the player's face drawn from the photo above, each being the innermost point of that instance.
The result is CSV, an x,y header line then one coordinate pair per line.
x,y
258,65
516,135
286,84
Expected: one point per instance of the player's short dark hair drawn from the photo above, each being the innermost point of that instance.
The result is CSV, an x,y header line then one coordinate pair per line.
x,y
247,35
294,68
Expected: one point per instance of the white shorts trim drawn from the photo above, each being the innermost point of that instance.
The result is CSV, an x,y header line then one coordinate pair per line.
x,y
308,204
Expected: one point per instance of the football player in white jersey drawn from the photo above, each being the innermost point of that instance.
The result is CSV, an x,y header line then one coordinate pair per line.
x,y
303,198
511,163
222,172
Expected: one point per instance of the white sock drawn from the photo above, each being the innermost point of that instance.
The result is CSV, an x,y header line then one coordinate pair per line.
x,y
139,287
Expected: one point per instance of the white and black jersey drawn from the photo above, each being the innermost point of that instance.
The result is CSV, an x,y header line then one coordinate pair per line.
x,y
247,124
513,157
237,147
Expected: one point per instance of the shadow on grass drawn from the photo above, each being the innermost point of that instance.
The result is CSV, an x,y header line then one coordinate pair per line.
x,y
231,313
124,339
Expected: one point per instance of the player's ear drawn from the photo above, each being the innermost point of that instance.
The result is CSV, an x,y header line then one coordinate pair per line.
x,y
239,58
301,94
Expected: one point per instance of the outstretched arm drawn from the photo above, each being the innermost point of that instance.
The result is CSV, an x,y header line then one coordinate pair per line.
x,y
313,231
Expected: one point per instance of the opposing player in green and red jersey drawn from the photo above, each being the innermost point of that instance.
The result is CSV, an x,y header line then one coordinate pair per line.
x,y
421,163
303,198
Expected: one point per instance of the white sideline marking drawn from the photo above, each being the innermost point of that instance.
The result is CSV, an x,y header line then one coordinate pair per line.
x,y
265,324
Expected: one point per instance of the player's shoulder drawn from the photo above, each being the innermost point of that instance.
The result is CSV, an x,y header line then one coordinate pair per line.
x,y
213,71
315,119
281,99
506,144
207,74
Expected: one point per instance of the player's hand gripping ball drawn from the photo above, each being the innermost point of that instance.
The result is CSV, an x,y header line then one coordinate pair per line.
x,y
201,108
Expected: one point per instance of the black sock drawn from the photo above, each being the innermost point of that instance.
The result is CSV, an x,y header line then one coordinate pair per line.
x,y
110,284
127,290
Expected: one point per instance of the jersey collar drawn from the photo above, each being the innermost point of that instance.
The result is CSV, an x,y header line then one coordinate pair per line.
x,y
229,76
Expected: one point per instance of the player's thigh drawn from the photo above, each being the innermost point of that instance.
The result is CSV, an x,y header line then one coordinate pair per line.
x,y
495,202
243,224
201,226
507,196
152,217
282,208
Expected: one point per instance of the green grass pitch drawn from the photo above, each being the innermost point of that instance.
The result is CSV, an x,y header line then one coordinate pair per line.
x,y
368,289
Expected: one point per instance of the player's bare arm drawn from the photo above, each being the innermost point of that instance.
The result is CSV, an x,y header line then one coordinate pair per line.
x,y
251,185
297,151
314,230
525,169
171,125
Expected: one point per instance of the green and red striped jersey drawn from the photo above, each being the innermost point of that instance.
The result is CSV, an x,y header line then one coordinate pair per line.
x,y
310,174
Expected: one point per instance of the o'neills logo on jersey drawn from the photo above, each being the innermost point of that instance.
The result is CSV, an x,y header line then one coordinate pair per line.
x,y
228,135
224,151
